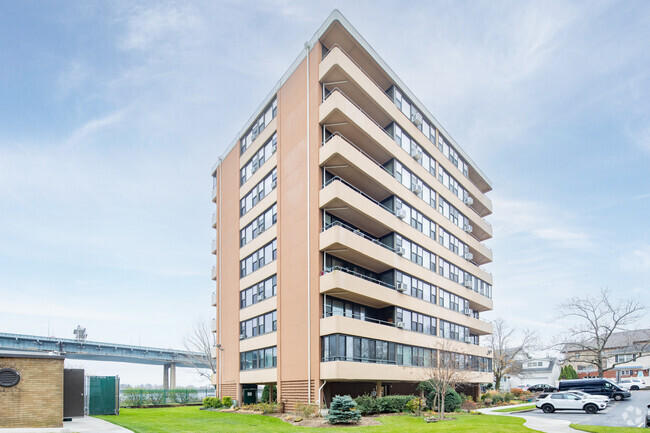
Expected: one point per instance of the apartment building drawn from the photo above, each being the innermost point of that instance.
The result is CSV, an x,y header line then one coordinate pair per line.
x,y
349,236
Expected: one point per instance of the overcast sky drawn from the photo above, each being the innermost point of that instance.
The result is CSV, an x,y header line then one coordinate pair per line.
x,y
113,113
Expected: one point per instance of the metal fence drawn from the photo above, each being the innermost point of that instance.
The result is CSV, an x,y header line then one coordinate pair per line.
x,y
152,397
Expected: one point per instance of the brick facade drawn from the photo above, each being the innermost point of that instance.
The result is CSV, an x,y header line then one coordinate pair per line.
x,y
37,400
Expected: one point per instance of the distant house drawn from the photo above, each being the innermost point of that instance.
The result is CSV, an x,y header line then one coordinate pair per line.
x,y
534,371
627,351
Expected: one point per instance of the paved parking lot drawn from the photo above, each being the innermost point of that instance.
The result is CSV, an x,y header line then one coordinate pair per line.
x,y
627,413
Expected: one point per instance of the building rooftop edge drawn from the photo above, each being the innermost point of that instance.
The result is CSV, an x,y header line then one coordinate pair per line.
x,y
336,15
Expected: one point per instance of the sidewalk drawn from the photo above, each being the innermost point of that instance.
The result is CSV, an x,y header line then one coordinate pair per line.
x,y
86,424
549,425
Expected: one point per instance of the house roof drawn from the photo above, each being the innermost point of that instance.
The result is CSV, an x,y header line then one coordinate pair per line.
x,y
547,369
624,341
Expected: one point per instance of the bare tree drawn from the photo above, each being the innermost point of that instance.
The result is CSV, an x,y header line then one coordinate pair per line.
x,y
597,320
200,339
449,370
507,346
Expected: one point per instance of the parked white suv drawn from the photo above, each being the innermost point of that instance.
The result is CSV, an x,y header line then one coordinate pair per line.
x,y
632,384
569,401
594,396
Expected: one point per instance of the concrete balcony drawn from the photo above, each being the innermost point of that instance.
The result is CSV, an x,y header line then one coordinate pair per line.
x,y
362,371
377,258
214,194
213,325
359,128
337,66
342,200
214,220
214,299
377,294
214,273
214,246
377,184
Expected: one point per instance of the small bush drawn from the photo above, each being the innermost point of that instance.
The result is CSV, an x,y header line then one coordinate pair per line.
x,y
343,410
488,401
468,405
485,395
452,400
155,397
216,403
508,397
367,404
394,403
132,397
226,401
415,405
517,392
496,399
206,402
265,408
306,410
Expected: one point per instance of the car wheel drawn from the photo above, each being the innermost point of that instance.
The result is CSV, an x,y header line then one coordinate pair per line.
x,y
618,397
591,408
634,388
547,408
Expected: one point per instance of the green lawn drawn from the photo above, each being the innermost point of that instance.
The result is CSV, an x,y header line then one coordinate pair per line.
x,y
603,429
193,420
517,409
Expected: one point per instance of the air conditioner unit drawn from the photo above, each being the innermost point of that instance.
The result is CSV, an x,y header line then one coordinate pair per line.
x,y
402,287
468,228
468,201
274,183
468,312
468,284
416,154
416,188
242,336
401,251
416,118
401,213
468,340
468,256
400,325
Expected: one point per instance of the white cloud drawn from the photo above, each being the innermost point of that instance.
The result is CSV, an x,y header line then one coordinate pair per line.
x,y
638,260
87,131
530,218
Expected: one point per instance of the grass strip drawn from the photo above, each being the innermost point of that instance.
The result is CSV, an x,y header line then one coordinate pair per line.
x,y
517,409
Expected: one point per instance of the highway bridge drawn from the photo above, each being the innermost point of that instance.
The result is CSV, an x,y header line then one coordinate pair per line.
x,y
98,351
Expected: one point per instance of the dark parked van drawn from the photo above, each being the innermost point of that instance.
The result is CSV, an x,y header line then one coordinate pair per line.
x,y
595,387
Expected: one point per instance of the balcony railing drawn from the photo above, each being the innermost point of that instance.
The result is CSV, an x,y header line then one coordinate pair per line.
x,y
329,269
214,246
214,299
214,272
349,185
214,219
358,317
214,193
358,233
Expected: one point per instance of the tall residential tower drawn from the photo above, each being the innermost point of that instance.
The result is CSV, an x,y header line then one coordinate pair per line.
x,y
349,236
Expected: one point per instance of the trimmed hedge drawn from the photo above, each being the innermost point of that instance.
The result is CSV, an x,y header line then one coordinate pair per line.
x,y
367,404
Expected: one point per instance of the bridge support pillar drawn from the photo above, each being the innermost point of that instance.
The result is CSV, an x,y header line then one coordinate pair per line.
x,y
169,376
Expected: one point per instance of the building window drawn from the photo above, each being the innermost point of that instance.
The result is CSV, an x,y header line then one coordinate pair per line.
x,y
258,125
256,162
260,358
625,357
258,292
259,191
259,225
259,258
258,325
